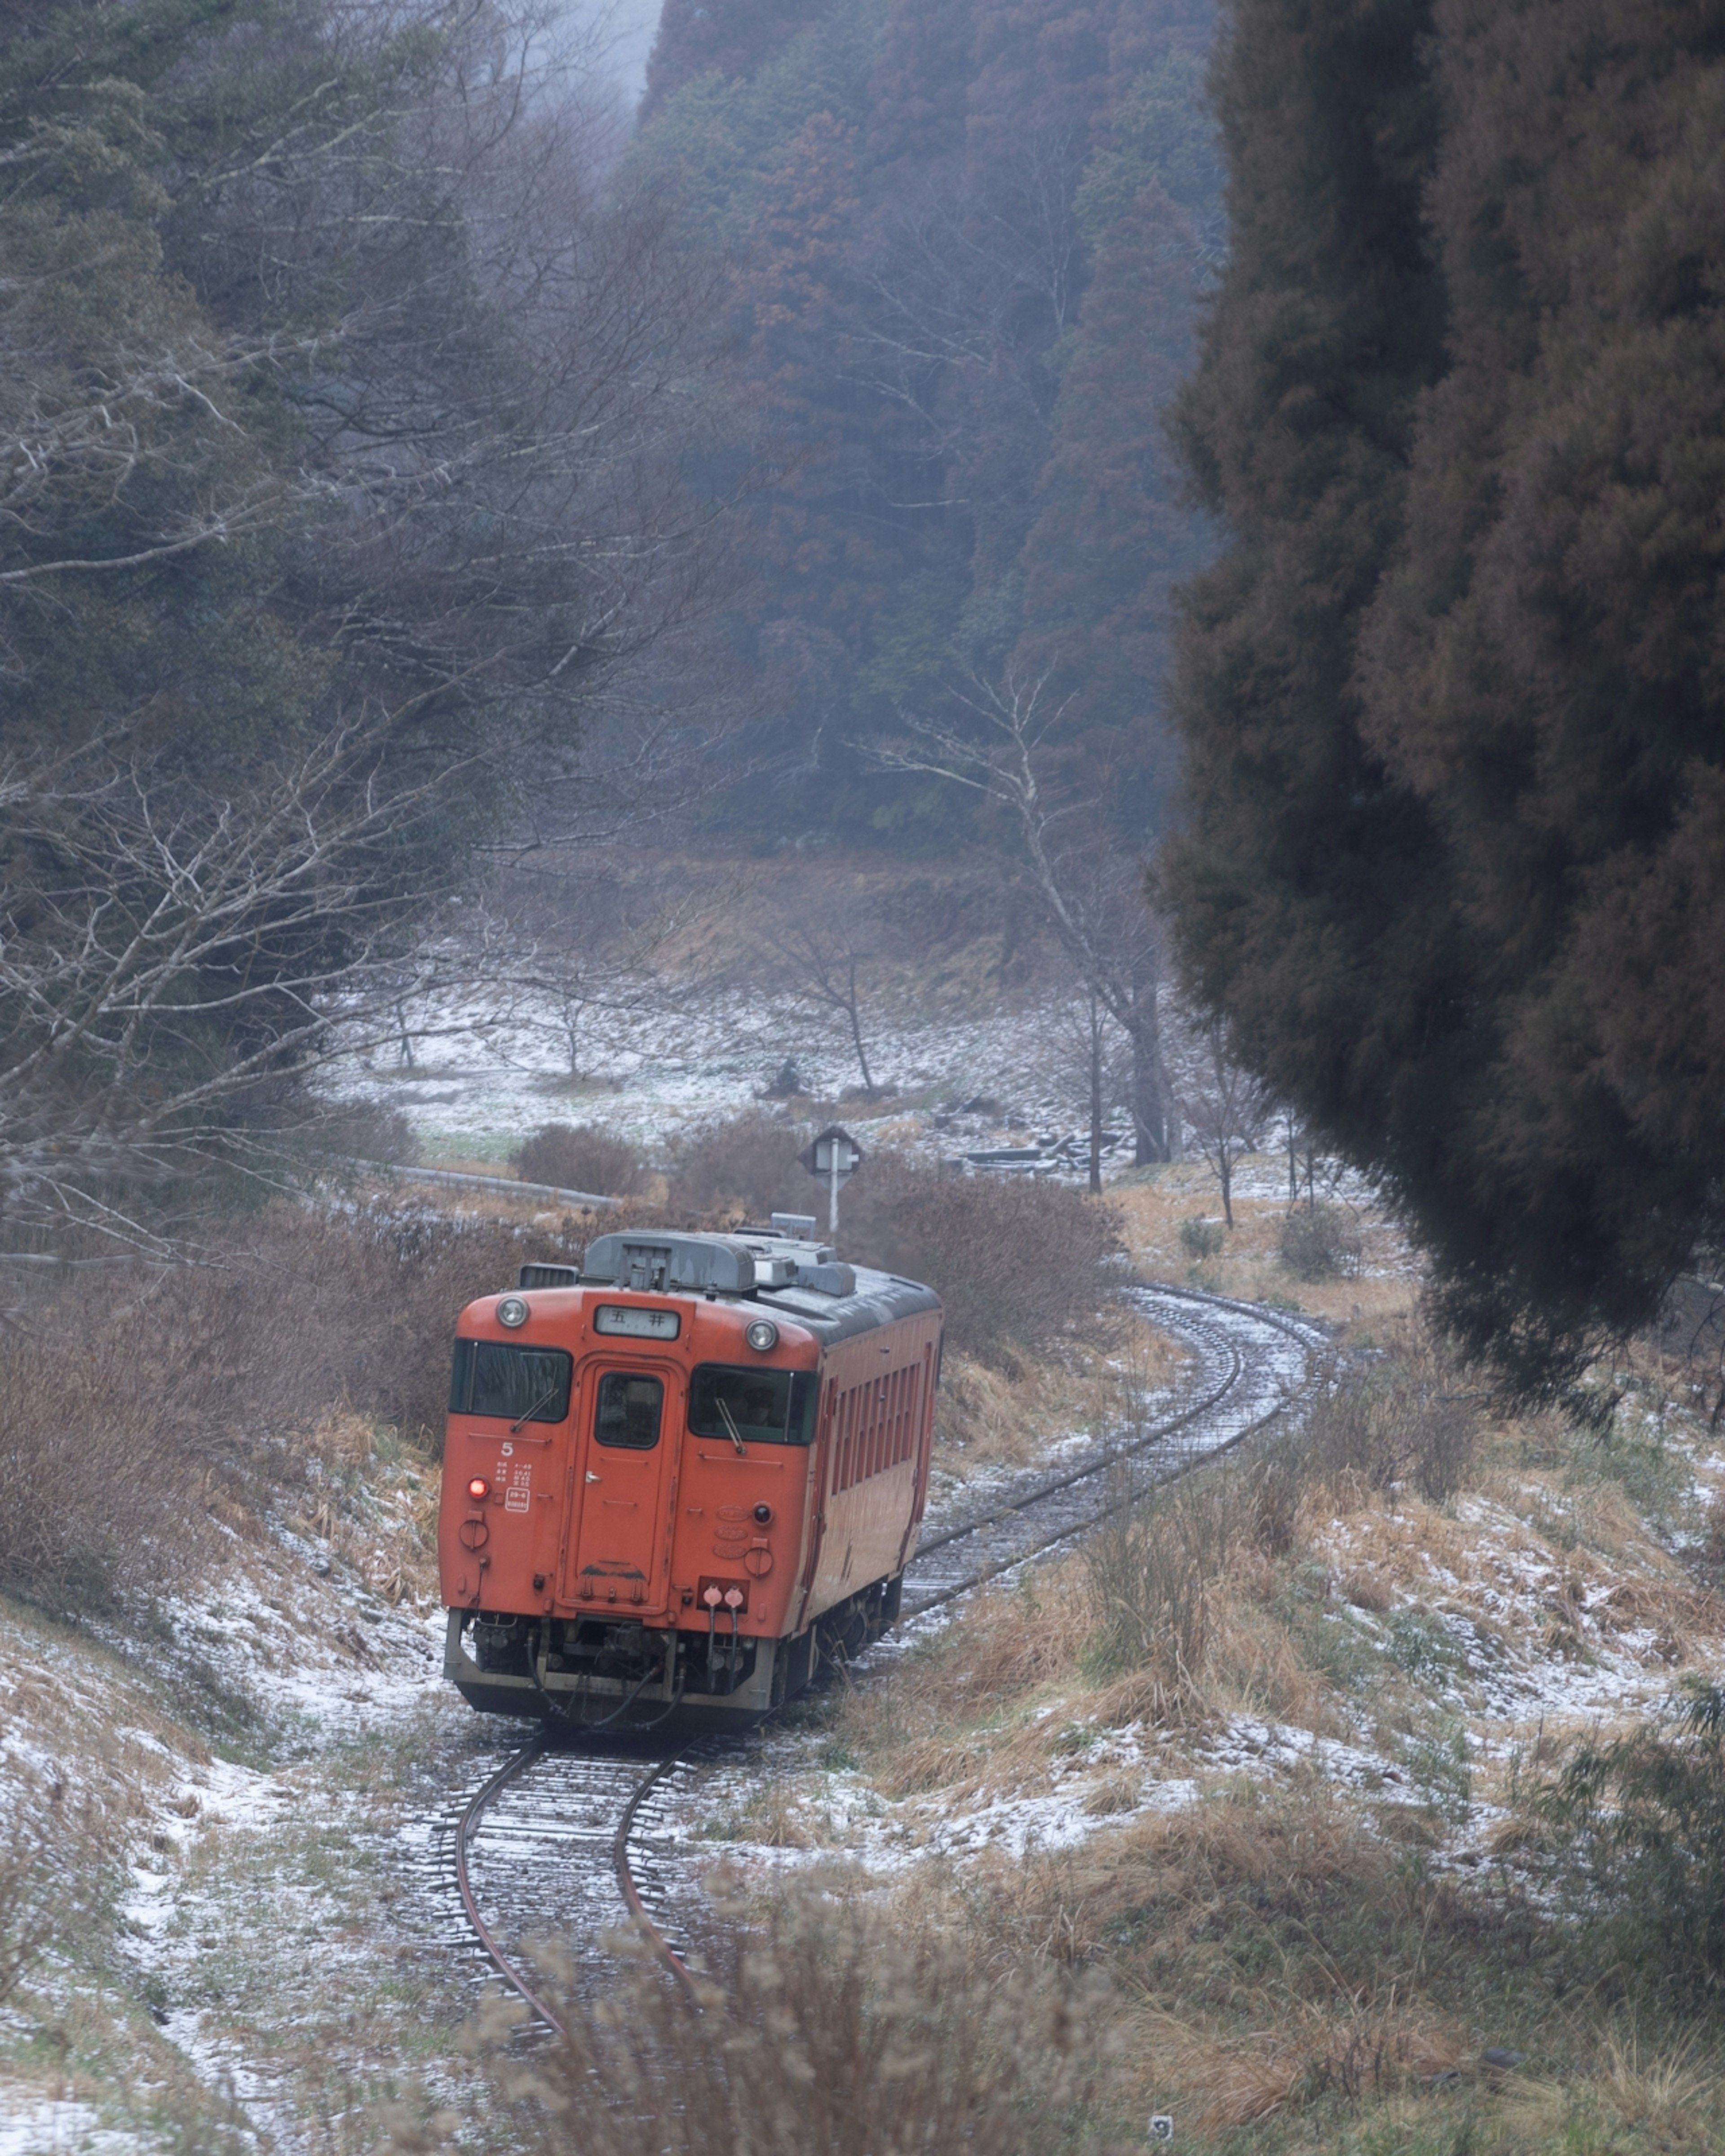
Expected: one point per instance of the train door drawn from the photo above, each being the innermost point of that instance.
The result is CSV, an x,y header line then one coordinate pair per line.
x,y
624,1463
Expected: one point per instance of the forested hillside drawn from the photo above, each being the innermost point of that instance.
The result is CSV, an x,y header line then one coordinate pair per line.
x,y
342,442
967,240
1452,698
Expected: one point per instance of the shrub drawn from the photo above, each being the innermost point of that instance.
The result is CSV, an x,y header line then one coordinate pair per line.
x,y
579,1157
359,1129
126,1413
1020,1263
813,2036
1405,1417
748,1163
1202,1239
1640,1825
1319,1242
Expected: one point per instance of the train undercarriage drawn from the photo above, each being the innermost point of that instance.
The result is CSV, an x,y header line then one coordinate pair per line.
x,y
597,1675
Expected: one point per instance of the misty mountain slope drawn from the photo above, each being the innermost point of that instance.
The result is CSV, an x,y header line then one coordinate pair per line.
x,y
966,242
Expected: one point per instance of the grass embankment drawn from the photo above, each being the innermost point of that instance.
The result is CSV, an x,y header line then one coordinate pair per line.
x,y
221,1646
1303,1762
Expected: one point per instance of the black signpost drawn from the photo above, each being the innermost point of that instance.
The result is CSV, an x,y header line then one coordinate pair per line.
x,y
834,1157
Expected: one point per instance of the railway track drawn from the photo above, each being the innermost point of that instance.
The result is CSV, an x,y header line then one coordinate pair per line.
x,y
573,1846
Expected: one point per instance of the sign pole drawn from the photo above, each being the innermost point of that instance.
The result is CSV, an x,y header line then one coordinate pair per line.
x,y
834,1156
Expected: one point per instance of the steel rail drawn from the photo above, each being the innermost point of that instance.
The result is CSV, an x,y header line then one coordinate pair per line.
x,y
1023,1555
654,1937
1098,1464
523,1760
469,1902
1094,1465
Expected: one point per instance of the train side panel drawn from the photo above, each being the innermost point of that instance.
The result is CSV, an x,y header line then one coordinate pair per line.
x,y
874,1465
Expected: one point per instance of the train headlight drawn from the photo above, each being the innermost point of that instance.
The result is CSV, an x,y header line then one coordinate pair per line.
x,y
511,1311
479,1489
763,1336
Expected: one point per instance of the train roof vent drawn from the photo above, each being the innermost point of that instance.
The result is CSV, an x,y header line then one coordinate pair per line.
x,y
800,1225
827,1279
661,1263
549,1276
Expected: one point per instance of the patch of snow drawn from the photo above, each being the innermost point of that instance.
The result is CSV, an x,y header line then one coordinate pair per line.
x,y
33,2124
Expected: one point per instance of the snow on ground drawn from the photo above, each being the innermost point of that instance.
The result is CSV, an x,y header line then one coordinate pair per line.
x,y
490,1070
32,2124
1461,1641
232,1755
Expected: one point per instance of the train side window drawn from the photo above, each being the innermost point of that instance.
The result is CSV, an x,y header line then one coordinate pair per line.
x,y
631,1407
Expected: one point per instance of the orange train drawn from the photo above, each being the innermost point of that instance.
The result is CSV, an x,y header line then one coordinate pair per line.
x,y
677,1477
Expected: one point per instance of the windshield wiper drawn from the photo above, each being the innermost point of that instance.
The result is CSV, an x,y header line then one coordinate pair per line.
x,y
556,1386
730,1421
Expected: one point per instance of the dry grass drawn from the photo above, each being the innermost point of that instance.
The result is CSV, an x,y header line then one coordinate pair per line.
x,y
986,1418
1666,2097
1154,1207
1288,1963
942,1724
53,1847
819,2030
1218,2080
200,1387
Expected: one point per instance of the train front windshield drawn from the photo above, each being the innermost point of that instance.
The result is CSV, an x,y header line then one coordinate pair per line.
x,y
763,1407
527,1384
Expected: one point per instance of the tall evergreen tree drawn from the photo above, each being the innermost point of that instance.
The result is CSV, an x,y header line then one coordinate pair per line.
x,y
1452,699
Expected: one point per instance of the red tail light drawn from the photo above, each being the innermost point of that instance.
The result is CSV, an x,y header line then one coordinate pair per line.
x,y
479,1488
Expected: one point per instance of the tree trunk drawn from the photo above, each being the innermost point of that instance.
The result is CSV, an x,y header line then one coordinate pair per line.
x,y
1150,1115
1150,1102
1224,1176
1095,1097
862,1053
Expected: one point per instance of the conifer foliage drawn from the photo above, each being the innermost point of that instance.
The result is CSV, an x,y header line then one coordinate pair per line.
x,y
1452,698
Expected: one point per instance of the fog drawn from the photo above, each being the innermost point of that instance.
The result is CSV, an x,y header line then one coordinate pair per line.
x,y
625,28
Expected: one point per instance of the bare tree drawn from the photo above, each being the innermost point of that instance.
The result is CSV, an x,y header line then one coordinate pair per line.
x,y
824,961
1226,1109
609,958
1091,1059
175,960
1092,894
391,334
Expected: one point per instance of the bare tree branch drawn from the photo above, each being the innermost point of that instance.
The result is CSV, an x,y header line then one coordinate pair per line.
x,y
1092,896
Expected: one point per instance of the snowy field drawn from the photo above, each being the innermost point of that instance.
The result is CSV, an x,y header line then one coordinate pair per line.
x,y
485,1072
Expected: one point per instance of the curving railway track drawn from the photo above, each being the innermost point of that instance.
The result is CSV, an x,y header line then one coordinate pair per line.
x,y
572,1845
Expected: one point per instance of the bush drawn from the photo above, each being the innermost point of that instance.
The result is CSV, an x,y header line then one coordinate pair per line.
x,y
579,1157
1203,1239
1020,1263
1639,1826
1407,1418
748,1163
359,1129
813,2036
1320,1242
126,1415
